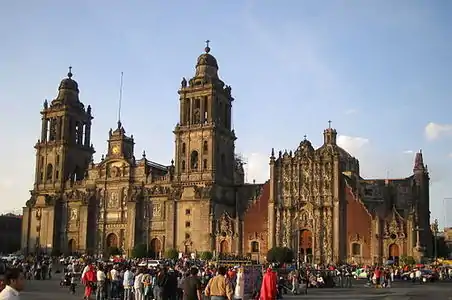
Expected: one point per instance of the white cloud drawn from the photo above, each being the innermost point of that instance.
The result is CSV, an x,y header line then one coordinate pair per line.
x,y
450,155
434,130
257,167
352,144
408,152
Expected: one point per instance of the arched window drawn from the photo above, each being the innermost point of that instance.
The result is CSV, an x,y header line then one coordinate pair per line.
x,y
194,160
356,249
184,148
183,166
205,147
49,172
254,246
204,164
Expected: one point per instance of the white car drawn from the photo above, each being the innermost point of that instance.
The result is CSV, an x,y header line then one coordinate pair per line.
x,y
12,257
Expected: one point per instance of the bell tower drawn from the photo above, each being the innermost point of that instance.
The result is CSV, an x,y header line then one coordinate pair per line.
x,y
64,150
205,141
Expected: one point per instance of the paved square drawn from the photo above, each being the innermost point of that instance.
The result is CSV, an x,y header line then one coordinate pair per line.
x,y
51,290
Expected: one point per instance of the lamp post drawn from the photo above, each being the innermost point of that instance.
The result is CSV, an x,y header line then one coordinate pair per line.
x,y
445,211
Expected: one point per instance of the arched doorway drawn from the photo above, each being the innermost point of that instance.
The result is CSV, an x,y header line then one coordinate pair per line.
x,y
72,246
394,253
112,240
305,245
224,247
156,248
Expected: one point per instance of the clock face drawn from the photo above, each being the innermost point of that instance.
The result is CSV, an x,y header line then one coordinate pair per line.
x,y
115,150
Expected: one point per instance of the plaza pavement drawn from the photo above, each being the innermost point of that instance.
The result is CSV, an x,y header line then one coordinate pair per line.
x,y
51,290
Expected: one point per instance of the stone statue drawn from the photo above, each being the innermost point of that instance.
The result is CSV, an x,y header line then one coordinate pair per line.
x,y
183,82
113,201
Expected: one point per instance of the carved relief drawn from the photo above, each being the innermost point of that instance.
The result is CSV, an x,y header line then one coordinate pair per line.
x,y
113,202
73,214
156,210
225,226
304,220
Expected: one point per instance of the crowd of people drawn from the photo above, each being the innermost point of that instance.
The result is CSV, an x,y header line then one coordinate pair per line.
x,y
185,278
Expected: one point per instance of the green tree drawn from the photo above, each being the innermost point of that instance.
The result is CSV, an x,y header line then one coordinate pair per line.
x,y
280,255
113,251
206,255
172,253
140,251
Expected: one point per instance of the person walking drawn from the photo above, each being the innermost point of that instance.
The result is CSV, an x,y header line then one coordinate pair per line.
x,y
15,281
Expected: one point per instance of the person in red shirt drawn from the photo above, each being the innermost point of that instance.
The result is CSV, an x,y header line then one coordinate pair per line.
x,y
269,286
89,278
377,277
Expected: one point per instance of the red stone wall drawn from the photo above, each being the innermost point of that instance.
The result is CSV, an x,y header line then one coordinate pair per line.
x,y
359,226
255,225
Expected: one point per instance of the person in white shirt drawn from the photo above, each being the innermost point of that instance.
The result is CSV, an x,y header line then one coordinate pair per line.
x,y
138,285
15,281
100,290
115,283
128,284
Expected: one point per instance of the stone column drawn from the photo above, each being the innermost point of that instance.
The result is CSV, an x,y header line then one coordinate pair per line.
x,y
130,234
182,112
336,232
44,130
190,118
82,229
87,134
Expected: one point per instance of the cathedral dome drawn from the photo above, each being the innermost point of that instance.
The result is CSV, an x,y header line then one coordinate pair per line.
x,y
69,83
206,66
207,59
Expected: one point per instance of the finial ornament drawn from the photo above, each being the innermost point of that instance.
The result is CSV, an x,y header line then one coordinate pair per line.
x,y
329,124
69,74
305,137
207,49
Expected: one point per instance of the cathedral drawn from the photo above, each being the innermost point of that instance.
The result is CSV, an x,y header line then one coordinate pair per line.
x,y
315,201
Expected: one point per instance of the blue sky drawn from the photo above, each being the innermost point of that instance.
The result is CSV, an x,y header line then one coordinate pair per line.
x,y
380,70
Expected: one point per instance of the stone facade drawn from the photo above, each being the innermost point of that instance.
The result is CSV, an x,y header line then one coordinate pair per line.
x,y
321,207
315,201
195,203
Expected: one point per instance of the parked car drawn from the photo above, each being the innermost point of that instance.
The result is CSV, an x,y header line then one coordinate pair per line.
x,y
429,275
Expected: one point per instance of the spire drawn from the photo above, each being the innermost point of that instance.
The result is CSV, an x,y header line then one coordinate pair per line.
x,y
419,162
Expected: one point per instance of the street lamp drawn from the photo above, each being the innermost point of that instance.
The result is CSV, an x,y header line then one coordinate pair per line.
x,y
445,211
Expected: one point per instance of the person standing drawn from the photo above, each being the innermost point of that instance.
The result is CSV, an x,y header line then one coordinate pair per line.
x,y
138,285
128,284
219,287
269,286
88,279
192,286
15,281
100,288
239,290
